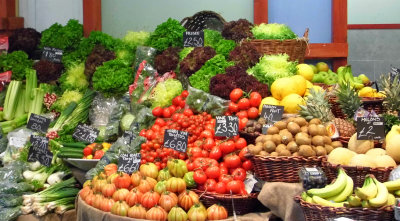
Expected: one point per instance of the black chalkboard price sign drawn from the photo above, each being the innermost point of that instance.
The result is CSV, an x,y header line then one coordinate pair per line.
x,y
226,126
52,54
176,139
38,123
39,150
193,39
129,162
370,128
272,113
85,133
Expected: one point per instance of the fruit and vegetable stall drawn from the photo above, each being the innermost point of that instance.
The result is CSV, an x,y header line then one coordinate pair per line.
x,y
191,123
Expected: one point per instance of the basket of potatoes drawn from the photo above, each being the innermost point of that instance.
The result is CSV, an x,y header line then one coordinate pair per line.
x,y
288,145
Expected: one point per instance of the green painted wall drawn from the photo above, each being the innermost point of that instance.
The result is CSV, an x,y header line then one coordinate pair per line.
x,y
373,11
119,16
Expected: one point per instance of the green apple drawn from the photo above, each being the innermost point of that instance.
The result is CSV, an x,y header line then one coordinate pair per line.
x,y
322,66
314,68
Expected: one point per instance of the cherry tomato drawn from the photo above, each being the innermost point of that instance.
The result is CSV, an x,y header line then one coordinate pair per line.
x,y
160,122
220,188
255,99
175,117
188,112
233,186
252,112
247,165
233,107
232,161
215,153
166,113
177,100
210,185
239,174
185,93
172,108
150,134
142,133
244,103
225,178
199,176
236,94
240,143
213,172
157,111
242,114
87,151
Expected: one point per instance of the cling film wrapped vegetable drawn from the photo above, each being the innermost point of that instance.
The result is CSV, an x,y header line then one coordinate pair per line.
x,y
113,125
201,101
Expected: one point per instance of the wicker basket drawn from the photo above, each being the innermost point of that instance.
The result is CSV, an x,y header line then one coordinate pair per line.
x,y
282,169
250,138
356,173
368,103
314,212
345,142
295,48
243,204
204,20
322,85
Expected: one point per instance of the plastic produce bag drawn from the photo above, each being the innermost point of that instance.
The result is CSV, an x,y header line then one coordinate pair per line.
x,y
16,142
10,213
113,125
11,200
12,172
395,174
144,53
145,81
100,110
201,101
11,187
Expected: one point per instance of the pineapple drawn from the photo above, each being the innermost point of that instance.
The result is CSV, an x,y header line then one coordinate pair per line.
x,y
317,106
349,102
391,88
344,127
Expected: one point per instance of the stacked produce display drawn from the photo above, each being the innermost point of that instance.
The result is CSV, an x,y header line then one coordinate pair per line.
x,y
167,132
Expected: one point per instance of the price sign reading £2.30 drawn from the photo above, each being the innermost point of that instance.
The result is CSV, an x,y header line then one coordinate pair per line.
x,y
129,162
226,126
370,128
176,139
193,39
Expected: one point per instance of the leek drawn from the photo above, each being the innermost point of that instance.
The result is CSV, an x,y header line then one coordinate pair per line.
x,y
11,101
31,84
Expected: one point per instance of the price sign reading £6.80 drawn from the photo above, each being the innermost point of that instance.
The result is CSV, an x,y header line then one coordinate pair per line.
x,y
52,54
85,133
38,123
176,139
370,128
272,113
40,151
129,162
193,39
226,126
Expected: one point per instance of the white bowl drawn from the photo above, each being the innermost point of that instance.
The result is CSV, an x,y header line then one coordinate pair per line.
x,y
83,164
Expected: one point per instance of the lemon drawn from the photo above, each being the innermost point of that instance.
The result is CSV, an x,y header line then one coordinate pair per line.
x,y
300,84
288,85
306,71
315,87
291,103
269,101
309,84
366,92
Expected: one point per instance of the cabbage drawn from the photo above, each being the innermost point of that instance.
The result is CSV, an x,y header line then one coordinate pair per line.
x,y
164,92
273,31
126,121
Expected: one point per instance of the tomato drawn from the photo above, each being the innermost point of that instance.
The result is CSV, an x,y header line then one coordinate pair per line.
x,y
195,152
133,197
187,199
242,154
201,163
175,116
213,172
190,166
252,112
220,188
166,113
247,165
185,93
168,200
240,143
177,100
215,153
204,153
172,108
232,161
236,94
233,186
233,107
149,170
156,213
239,174
227,147
197,212
207,134
137,212
244,104
120,208
87,151
182,104
210,185
223,169
157,111
122,181
242,123
216,212
199,176
188,112
142,133
98,154
150,134
242,114
225,178
255,99
209,143
175,185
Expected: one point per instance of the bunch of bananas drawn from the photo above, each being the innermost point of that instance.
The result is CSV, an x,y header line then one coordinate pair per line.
x,y
372,194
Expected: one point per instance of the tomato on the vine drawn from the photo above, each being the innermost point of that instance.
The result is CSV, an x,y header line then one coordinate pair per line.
x,y
234,186
199,176
166,113
210,185
239,174
157,111
247,165
160,122
188,112
244,103
242,123
240,143
255,99
232,161
252,113
242,114
215,153
236,94
177,100
220,188
233,107
213,172
185,93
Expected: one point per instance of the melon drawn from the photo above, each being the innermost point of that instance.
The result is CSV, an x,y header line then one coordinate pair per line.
x,y
384,161
340,156
393,147
362,160
360,146
376,152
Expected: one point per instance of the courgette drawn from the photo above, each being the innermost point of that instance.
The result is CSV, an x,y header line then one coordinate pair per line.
x,y
74,145
70,155
70,149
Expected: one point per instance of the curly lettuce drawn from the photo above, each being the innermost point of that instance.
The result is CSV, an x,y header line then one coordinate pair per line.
x,y
66,37
66,98
17,62
273,31
136,38
167,34
74,78
224,47
211,38
164,92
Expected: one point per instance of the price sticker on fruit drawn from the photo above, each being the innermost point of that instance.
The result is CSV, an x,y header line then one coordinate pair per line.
x,y
129,162
226,126
370,128
39,150
176,139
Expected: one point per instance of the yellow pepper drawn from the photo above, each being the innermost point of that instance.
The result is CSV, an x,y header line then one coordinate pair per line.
x,y
89,157
106,145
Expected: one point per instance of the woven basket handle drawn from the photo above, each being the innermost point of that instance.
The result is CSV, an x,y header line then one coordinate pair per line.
x,y
306,33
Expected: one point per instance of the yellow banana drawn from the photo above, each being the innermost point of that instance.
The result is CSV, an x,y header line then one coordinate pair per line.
x,y
393,185
382,196
397,192
353,201
323,202
347,191
332,189
304,196
391,200
368,190
365,204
